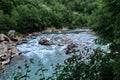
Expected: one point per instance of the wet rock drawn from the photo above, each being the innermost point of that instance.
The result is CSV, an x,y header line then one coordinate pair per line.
x,y
57,38
44,41
60,44
67,51
70,48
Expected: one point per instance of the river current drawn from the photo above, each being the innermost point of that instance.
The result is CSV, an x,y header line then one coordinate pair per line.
x,y
50,54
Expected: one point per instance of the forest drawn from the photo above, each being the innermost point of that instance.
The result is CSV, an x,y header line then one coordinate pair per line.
x,y
102,16
33,15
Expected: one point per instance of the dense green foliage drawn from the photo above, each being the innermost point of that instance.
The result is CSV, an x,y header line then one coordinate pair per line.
x,y
106,21
35,15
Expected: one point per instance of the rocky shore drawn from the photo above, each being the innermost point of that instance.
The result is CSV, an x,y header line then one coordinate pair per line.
x,y
8,48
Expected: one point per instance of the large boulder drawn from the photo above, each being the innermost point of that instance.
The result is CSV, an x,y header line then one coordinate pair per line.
x,y
12,33
3,37
44,41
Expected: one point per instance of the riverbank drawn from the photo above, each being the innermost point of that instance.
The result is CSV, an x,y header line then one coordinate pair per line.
x,y
8,48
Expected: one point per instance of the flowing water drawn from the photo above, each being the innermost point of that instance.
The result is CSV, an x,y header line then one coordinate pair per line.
x,y
50,54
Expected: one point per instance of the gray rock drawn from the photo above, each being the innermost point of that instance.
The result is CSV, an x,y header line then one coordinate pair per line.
x,y
11,33
7,51
44,41
8,46
3,37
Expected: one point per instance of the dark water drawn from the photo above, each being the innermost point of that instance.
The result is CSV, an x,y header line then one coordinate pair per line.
x,y
52,54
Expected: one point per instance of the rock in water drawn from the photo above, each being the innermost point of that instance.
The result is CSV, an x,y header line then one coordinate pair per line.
x,y
70,48
44,41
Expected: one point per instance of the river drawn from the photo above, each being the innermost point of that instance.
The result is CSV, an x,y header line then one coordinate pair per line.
x,y
53,54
